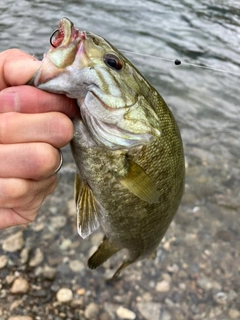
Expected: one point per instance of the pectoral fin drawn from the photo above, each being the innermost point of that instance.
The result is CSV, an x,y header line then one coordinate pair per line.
x,y
140,184
87,212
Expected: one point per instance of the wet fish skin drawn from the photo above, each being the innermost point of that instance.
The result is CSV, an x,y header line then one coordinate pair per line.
x,y
127,145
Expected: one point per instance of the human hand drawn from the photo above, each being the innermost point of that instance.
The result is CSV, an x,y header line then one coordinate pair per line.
x,y
33,125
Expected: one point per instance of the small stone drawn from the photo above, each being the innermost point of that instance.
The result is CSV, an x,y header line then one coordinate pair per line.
x,y
221,298
10,278
149,310
49,273
20,318
20,285
204,283
64,295
91,311
76,265
96,238
3,261
81,291
66,243
163,286
15,304
124,313
14,242
234,314
72,208
24,255
37,258
166,315
58,222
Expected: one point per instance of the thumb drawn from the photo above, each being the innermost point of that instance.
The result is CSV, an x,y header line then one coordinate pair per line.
x,y
16,68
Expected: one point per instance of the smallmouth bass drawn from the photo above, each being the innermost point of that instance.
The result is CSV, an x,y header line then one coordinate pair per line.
x,y
127,145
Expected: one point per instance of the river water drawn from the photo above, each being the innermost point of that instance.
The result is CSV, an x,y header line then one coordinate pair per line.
x,y
205,103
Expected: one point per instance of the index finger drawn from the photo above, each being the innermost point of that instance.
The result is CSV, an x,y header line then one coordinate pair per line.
x,y
16,68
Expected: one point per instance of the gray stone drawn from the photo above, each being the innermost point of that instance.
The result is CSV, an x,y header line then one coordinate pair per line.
x,y
14,242
49,273
64,295
3,261
37,258
124,313
24,256
20,318
163,286
20,285
76,266
58,222
149,310
91,311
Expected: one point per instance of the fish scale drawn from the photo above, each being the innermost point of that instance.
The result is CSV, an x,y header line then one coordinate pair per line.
x,y
127,145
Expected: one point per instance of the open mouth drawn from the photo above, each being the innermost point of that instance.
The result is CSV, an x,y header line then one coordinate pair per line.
x,y
65,34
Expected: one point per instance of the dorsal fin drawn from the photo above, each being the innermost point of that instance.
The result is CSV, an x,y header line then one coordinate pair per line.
x,y
87,211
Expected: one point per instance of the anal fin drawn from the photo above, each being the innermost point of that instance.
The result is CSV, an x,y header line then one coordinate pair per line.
x,y
87,211
104,251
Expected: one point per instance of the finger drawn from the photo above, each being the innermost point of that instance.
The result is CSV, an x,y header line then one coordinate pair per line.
x,y
20,199
16,68
54,128
25,195
34,161
27,99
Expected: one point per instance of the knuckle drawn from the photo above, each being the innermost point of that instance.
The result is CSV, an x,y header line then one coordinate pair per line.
x,y
64,130
46,160
6,125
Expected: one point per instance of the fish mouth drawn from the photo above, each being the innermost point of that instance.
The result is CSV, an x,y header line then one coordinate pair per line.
x,y
65,34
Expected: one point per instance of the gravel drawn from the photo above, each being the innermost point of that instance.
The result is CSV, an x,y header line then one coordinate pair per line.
x,y
195,276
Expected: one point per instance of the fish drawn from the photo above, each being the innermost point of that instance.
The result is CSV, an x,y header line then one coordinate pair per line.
x,y
127,145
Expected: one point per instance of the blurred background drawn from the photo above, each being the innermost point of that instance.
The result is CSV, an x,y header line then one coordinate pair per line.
x,y
196,274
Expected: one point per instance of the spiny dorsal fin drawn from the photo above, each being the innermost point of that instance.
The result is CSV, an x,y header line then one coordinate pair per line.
x,y
140,184
87,212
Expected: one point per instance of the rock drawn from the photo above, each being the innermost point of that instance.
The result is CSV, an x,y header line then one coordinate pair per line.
x,y
221,298
91,311
64,295
14,242
204,283
66,243
10,278
76,265
3,261
166,315
124,313
20,318
149,310
20,285
24,256
15,304
234,314
163,286
37,258
49,273
58,222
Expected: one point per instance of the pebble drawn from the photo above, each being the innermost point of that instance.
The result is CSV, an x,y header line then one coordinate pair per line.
x,y
64,295
163,286
91,311
58,222
220,298
66,243
234,314
37,258
124,313
76,265
20,318
14,242
20,285
3,261
149,310
49,273
24,256
204,283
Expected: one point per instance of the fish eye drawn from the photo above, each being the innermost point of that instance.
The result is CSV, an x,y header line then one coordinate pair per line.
x,y
112,61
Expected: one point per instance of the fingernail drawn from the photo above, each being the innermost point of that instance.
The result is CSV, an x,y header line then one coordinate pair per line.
x,y
8,101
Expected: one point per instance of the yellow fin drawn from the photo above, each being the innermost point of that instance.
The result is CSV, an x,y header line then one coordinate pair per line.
x,y
140,184
104,251
87,212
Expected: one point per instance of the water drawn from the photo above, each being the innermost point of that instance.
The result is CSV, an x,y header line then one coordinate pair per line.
x,y
204,102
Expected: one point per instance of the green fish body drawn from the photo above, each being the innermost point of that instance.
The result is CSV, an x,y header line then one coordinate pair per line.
x,y
127,145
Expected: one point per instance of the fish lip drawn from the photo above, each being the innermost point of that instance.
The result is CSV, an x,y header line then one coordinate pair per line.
x,y
66,33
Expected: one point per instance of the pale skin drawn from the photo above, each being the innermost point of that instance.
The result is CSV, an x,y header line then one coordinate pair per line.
x,y
33,126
